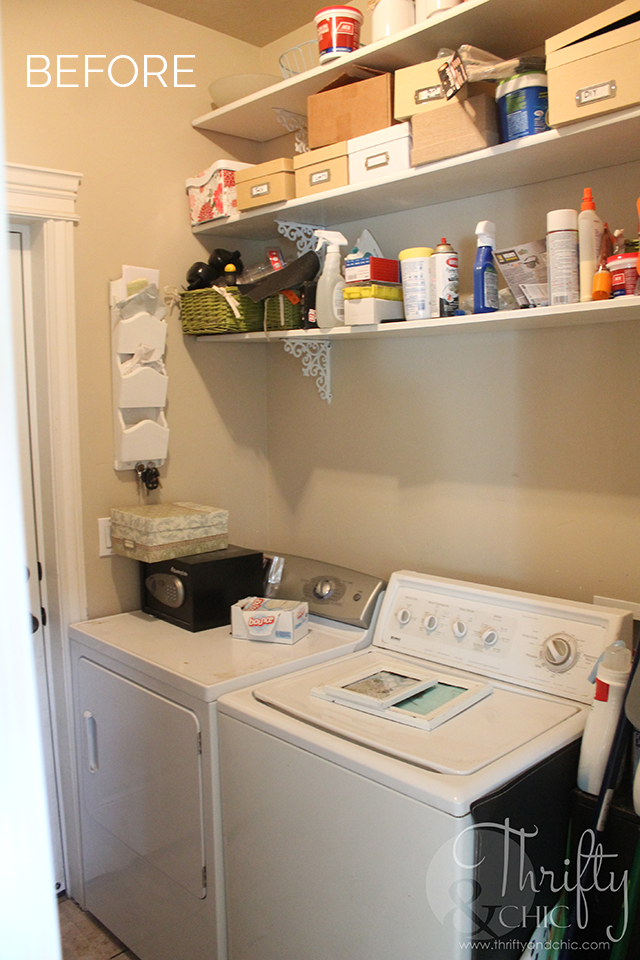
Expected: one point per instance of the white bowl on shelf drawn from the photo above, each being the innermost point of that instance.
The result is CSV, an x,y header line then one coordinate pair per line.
x,y
229,89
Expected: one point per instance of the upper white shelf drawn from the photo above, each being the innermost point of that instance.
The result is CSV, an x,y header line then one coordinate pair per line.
x,y
506,28
576,148
575,314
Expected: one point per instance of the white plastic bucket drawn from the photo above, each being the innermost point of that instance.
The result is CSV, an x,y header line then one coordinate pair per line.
x,y
338,31
391,16
623,268
522,106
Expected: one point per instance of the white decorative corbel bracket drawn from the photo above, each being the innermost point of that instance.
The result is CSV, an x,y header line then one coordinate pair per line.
x,y
315,356
295,123
302,234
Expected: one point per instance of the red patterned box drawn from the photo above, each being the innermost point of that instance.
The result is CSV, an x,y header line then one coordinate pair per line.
x,y
212,194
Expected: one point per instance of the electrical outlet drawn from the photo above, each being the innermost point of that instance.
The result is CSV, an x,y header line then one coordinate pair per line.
x,y
104,537
624,604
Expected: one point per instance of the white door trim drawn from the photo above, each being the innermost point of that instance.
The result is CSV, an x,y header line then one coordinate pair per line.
x,y
45,199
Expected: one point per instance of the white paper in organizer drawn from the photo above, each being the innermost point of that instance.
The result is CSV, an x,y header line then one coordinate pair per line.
x,y
138,338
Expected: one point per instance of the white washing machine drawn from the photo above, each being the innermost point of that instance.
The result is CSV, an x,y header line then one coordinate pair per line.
x,y
145,694
411,800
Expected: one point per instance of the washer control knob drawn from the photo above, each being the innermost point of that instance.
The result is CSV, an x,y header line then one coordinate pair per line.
x,y
403,616
559,652
430,623
459,628
490,637
323,589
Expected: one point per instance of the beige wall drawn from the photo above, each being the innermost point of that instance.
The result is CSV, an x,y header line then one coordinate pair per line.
x,y
135,147
506,458
510,459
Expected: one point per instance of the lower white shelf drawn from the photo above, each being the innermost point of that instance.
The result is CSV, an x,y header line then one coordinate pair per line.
x,y
574,314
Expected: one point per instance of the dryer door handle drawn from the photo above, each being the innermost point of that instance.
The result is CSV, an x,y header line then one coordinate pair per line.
x,y
91,731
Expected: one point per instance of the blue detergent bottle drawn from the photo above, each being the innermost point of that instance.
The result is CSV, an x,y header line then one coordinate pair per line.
x,y
485,275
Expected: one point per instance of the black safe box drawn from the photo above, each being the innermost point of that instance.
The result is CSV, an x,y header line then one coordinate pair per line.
x,y
197,592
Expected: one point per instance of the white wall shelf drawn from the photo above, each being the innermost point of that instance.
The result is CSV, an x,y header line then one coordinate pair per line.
x,y
608,140
574,149
494,25
575,314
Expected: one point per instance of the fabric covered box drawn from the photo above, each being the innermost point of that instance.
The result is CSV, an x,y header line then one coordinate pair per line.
x,y
162,531
457,128
594,67
212,194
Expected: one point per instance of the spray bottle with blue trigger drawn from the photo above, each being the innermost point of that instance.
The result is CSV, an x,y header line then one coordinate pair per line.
x,y
329,298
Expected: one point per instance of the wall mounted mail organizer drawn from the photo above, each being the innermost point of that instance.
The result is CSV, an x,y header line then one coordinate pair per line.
x,y
138,340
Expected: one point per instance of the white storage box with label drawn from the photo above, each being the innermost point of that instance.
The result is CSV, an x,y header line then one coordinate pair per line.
x,y
276,621
380,154
212,194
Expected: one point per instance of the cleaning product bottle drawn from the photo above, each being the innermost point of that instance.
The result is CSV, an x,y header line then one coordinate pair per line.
x,y
329,299
590,228
485,275
562,257
444,280
611,681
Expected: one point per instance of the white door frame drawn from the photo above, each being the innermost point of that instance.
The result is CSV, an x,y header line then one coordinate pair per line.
x,y
45,200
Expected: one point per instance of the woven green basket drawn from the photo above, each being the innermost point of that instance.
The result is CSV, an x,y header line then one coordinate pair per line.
x,y
281,314
207,312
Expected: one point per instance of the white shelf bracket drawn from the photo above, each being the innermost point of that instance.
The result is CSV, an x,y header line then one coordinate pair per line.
x,y
295,123
316,362
302,234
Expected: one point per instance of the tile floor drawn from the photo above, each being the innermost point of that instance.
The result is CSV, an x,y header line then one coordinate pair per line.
x,y
84,938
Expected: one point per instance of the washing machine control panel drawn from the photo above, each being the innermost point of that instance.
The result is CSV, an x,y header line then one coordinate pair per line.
x,y
542,643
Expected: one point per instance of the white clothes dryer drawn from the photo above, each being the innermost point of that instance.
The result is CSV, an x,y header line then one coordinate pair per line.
x,y
411,800
145,705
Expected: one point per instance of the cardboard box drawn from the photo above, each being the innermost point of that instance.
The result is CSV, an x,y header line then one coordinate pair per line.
x,y
594,67
164,531
274,621
271,182
418,89
323,169
350,107
372,270
379,154
457,128
212,194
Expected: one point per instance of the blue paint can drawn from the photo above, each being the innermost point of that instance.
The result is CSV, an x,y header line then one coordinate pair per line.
x,y
522,105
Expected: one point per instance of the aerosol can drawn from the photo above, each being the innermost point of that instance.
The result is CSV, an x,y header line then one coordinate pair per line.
x,y
444,280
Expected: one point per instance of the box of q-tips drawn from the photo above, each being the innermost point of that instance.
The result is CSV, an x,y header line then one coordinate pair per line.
x,y
276,621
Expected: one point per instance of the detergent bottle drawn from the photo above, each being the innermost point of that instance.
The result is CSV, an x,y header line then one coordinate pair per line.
x,y
329,298
485,275
590,229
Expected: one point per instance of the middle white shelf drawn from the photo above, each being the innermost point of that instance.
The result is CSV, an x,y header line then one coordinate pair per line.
x,y
577,148
574,314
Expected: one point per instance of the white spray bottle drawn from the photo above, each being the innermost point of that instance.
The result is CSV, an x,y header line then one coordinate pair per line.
x,y
329,299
